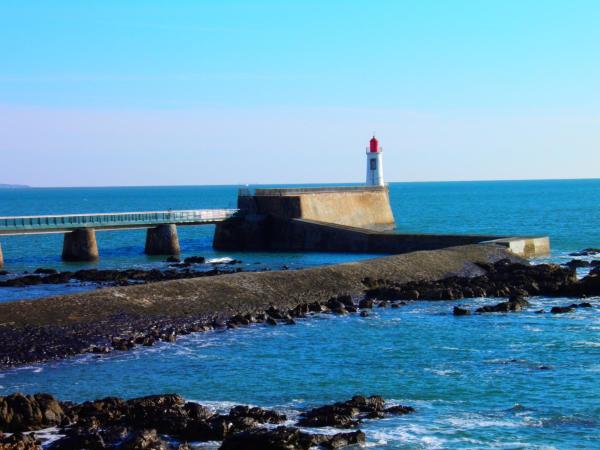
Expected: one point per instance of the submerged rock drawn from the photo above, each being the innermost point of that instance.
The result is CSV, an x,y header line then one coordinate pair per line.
x,y
562,309
586,252
514,304
457,311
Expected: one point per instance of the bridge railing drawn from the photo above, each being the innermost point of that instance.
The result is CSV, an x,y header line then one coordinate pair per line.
x,y
106,220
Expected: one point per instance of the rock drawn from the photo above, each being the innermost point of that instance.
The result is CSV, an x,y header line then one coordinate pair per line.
x,y
271,321
576,263
42,271
364,314
80,439
144,440
316,307
172,259
515,303
594,263
20,412
275,313
339,440
164,413
281,438
334,304
343,414
195,260
586,252
107,411
399,410
365,303
411,294
457,311
19,441
258,414
562,309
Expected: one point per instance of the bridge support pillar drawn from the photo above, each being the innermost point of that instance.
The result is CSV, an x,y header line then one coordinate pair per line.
x,y
1,257
80,245
162,240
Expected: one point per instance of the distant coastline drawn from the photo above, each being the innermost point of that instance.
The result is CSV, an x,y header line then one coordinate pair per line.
x,y
13,186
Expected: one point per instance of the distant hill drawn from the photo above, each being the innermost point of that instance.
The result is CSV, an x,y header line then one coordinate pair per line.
x,y
12,186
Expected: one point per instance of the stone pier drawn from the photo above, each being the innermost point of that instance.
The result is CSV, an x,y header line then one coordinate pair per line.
x,y
162,240
80,245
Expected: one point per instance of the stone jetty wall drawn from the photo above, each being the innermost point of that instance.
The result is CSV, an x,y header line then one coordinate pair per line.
x,y
246,292
339,219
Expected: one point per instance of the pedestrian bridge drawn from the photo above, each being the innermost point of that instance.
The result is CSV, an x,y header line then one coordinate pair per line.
x,y
79,229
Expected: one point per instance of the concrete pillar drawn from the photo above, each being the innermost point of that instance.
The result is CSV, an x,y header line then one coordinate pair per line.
x,y
162,240
1,257
80,245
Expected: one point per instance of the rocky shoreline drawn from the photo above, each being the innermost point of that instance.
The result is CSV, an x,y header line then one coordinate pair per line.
x,y
120,319
163,422
192,267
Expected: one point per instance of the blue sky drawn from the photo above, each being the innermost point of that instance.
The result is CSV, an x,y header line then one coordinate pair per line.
x,y
228,92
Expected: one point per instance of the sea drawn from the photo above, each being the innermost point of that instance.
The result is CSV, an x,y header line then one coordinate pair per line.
x,y
506,381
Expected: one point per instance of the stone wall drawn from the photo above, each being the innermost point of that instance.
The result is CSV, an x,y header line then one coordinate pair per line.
x,y
362,207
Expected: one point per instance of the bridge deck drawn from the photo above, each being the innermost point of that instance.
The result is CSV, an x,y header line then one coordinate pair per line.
x,y
110,221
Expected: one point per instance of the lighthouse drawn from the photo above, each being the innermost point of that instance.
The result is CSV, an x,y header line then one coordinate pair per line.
x,y
374,163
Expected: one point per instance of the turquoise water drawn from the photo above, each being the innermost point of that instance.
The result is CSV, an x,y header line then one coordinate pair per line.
x,y
510,381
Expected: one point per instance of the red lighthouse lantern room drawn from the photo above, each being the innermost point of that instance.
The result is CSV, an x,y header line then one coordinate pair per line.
x,y
374,145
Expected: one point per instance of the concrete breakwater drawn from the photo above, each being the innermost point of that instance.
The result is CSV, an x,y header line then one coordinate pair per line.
x,y
349,219
123,317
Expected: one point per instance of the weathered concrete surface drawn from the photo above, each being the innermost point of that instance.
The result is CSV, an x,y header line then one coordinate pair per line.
x,y
339,219
527,247
248,292
273,234
80,245
162,240
362,207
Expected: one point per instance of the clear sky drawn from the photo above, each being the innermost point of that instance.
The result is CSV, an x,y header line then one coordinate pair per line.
x,y
231,92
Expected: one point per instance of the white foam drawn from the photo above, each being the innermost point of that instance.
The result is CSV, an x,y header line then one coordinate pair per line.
x,y
224,260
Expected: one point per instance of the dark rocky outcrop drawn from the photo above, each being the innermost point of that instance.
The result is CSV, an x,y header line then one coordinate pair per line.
x,y
577,263
562,309
113,277
348,414
457,311
286,438
19,441
586,252
144,424
514,304
501,279
20,412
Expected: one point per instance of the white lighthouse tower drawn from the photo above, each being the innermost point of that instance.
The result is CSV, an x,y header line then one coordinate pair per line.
x,y
374,163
